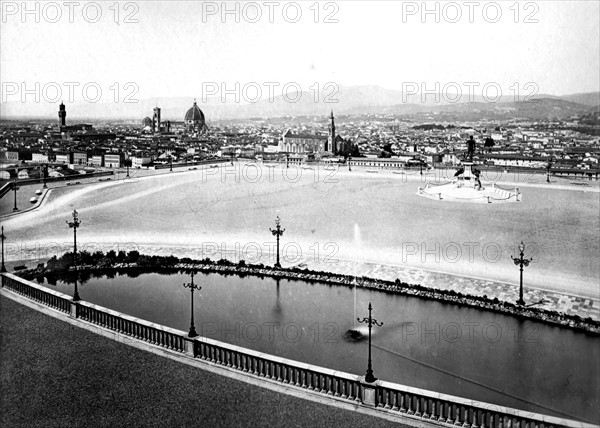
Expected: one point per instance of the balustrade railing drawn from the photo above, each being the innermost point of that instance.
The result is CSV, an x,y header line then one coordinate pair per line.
x,y
39,294
386,396
154,334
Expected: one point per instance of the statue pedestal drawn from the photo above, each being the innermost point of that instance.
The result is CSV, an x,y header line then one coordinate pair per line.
x,y
468,170
467,178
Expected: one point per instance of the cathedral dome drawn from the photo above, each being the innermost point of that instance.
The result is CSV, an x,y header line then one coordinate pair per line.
x,y
194,114
147,121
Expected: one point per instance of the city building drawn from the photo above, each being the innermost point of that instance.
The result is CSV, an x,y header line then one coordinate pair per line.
x,y
139,161
10,155
303,143
95,160
317,146
62,158
195,121
78,158
112,160
39,157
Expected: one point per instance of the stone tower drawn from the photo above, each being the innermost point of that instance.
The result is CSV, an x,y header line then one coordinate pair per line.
x,y
331,139
62,114
156,120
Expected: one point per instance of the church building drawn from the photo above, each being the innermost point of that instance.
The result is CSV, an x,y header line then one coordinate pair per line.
x,y
193,123
317,145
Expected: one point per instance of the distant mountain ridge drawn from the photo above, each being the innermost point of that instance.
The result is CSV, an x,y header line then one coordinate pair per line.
x,y
351,100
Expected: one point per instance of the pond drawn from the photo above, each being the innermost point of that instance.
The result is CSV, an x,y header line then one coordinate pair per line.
x,y
426,344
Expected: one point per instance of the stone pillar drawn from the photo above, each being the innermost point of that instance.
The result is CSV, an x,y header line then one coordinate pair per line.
x,y
74,310
369,392
190,347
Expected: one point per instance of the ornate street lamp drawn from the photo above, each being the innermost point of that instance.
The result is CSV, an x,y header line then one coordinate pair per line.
x,y
2,237
74,225
192,287
548,167
370,322
521,261
278,231
15,188
127,164
45,174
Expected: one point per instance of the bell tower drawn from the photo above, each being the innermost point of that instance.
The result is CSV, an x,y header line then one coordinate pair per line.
x,y
331,141
156,120
62,114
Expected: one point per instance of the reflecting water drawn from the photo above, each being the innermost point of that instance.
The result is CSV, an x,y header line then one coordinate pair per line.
x,y
464,352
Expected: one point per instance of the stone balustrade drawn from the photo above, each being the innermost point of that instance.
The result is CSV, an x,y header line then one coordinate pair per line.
x,y
388,397
39,294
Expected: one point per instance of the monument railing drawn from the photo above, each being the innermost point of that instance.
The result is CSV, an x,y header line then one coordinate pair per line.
x,y
384,396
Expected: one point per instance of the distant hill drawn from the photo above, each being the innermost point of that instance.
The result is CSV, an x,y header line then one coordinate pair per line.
x,y
347,100
591,99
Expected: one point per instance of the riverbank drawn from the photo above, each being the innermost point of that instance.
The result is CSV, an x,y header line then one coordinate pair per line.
x,y
99,264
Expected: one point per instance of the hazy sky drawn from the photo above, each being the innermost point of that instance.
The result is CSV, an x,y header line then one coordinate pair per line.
x,y
176,46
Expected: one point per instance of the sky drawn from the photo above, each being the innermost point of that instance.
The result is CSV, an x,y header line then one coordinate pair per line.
x,y
182,48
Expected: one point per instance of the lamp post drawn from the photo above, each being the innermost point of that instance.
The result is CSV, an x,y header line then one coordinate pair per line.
x,y
521,261
2,237
15,188
170,163
349,161
232,154
192,287
278,231
287,160
548,167
45,174
370,322
74,225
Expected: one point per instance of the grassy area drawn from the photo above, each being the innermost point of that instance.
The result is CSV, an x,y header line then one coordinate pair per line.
x,y
55,374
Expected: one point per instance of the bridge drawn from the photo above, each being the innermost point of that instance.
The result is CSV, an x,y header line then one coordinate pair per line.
x,y
14,170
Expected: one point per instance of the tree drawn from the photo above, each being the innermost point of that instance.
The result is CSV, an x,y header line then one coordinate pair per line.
x,y
121,256
133,256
